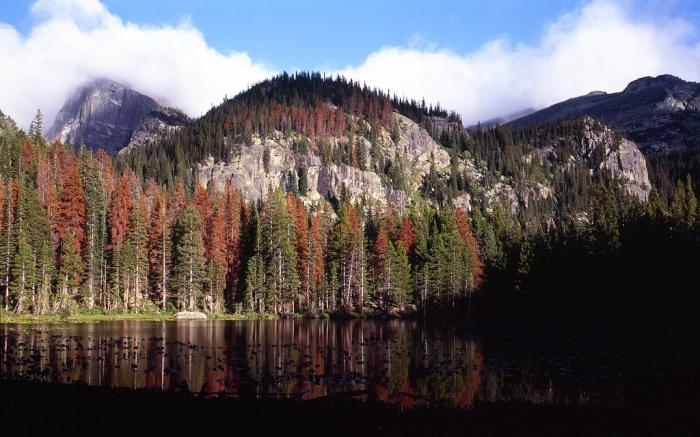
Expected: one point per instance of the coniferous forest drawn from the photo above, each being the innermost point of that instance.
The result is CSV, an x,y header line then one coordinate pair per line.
x,y
82,230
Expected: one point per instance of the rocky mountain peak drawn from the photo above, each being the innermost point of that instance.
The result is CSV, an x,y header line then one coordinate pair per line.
x,y
101,114
659,113
664,80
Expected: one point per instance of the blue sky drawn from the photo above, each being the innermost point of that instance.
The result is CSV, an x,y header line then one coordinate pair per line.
x,y
309,34
482,58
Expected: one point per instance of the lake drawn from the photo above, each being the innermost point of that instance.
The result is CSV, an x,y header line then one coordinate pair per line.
x,y
404,362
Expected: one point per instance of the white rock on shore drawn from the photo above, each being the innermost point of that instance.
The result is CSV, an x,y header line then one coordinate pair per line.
x,y
190,315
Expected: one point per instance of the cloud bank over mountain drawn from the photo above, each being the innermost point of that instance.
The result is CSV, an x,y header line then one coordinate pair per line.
x,y
73,41
601,45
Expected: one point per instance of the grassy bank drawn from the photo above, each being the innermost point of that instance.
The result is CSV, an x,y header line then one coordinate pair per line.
x,y
9,317
99,316
92,317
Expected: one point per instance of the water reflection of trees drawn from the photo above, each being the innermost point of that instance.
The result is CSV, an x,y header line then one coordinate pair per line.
x,y
401,362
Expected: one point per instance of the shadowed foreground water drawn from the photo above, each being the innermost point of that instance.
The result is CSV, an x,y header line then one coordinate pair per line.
x,y
406,363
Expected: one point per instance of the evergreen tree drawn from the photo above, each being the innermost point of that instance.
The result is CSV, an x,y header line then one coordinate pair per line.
x,y
216,256
254,296
23,271
36,127
96,228
278,232
188,261
159,247
69,275
138,240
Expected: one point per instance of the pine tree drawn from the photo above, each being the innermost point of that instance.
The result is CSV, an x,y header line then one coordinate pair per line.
x,y
216,255
7,236
472,266
349,257
36,127
96,228
34,231
44,276
188,261
691,209
297,211
279,254
119,217
71,205
23,272
400,292
316,259
138,239
407,236
69,275
254,296
159,247
233,244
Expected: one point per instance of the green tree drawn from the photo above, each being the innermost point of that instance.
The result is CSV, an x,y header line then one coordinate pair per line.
x,y
23,272
188,272
254,295
69,275
96,229
278,232
36,127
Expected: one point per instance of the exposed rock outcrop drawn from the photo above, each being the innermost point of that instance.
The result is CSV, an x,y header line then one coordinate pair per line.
x,y
155,126
621,156
657,113
102,114
414,148
190,315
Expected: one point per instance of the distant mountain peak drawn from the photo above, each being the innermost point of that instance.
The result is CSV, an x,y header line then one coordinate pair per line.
x,y
101,114
660,113
664,80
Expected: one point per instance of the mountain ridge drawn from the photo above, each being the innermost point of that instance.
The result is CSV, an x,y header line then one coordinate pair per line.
x,y
660,113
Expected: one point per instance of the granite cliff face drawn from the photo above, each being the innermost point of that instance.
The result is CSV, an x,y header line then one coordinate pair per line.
x,y
658,113
599,147
418,152
621,157
101,114
156,125
415,150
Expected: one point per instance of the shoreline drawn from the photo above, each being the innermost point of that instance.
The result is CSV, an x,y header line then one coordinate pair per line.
x,y
95,317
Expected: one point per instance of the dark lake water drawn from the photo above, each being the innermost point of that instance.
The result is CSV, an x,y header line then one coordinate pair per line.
x,y
408,363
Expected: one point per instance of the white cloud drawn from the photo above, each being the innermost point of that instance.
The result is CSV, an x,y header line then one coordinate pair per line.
x,y
73,41
600,46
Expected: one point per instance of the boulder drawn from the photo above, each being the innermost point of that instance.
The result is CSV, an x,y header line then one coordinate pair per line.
x,y
190,315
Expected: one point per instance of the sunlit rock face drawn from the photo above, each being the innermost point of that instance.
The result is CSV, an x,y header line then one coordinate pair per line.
x,y
414,150
155,126
102,114
658,113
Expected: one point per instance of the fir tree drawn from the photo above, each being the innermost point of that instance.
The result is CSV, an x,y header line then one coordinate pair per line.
x,y
188,261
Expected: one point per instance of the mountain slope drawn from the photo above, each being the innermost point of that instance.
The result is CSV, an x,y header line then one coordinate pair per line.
x,y
101,114
659,113
329,139
156,125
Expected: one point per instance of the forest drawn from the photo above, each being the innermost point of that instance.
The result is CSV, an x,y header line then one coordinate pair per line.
x,y
78,235
83,231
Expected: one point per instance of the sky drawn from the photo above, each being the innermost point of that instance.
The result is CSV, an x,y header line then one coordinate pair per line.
x,y
483,59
